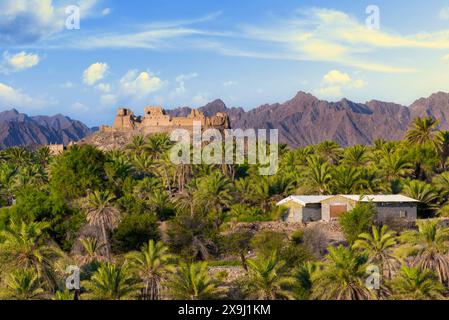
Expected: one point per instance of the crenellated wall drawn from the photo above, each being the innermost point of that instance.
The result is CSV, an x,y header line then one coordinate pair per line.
x,y
156,120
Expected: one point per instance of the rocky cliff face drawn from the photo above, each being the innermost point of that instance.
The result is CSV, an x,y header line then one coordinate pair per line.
x,y
306,120
18,129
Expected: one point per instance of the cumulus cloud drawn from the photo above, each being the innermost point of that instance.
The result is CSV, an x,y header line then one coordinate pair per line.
x,y
200,99
94,73
11,97
106,11
139,84
335,82
27,21
181,84
18,62
104,87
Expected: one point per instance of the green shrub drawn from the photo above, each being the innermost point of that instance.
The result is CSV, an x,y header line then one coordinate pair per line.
x,y
133,231
357,221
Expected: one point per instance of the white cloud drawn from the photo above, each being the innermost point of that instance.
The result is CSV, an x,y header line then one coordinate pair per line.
x,y
108,100
10,97
335,82
67,85
200,99
94,73
181,84
337,77
444,13
104,87
106,11
79,107
230,83
139,84
18,62
27,21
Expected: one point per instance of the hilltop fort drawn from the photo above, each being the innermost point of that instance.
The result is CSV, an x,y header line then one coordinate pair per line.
x,y
156,120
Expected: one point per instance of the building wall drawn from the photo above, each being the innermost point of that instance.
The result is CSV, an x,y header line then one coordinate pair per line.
x,y
293,215
399,211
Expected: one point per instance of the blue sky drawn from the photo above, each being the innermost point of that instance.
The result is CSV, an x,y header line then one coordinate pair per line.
x,y
186,53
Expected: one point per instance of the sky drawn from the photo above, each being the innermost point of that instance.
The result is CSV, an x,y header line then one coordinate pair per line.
x,y
187,53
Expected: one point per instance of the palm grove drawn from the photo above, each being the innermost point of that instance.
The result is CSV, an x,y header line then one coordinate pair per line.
x,y
140,227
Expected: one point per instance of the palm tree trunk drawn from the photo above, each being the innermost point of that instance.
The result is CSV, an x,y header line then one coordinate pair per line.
x,y
106,242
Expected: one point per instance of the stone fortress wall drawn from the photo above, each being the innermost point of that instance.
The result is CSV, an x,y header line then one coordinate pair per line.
x,y
156,120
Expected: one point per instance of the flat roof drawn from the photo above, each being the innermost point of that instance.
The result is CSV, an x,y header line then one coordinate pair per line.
x,y
386,198
304,200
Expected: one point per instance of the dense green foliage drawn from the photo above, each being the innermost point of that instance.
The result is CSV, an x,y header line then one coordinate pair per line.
x,y
141,227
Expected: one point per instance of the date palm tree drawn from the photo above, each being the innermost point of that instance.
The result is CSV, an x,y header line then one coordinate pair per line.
x,y
318,174
346,180
416,284
356,156
92,253
192,282
422,131
102,213
378,246
442,146
25,246
303,277
215,193
22,284
111,282
267,280
394,166
329,150
421,191
152,264
343,276
429,246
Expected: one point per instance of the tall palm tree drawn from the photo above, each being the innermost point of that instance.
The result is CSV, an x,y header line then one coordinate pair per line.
x,y
318,174
152,264
92,249
378,247
22,284
421,191
137,144
442,146
192,282
266,278
422,131
329,150
111,282
394,166
102,213
346,180
303,277
429,245
157,144
416,284
442,182
25,246
215,193
343,276
356,156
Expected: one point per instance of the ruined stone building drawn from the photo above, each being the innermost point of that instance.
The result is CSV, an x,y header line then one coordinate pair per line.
x,y
156,120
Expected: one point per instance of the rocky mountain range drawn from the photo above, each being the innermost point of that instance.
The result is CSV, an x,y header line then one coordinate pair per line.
x,y
305,119
301,121
20,129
